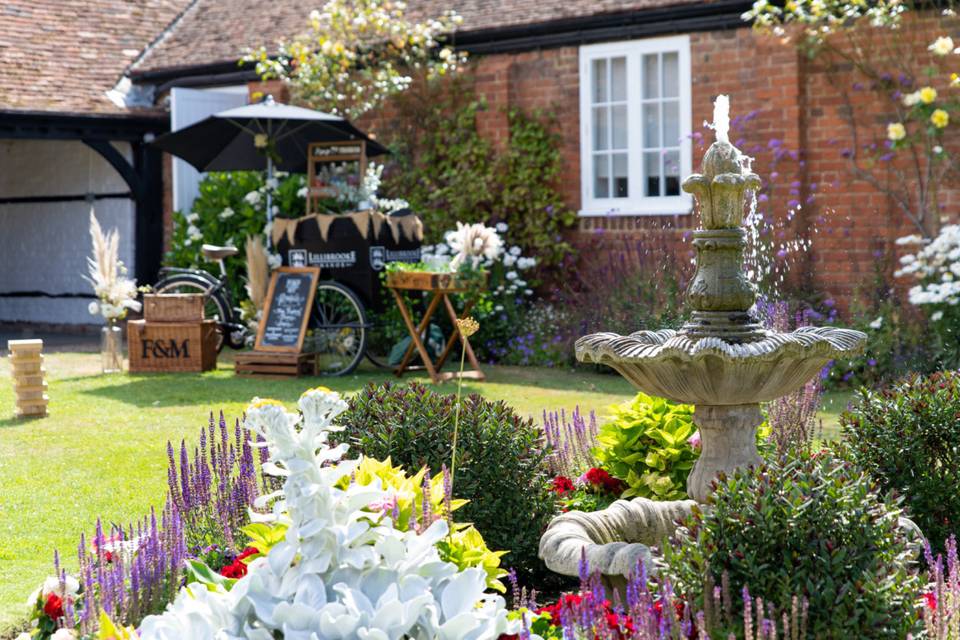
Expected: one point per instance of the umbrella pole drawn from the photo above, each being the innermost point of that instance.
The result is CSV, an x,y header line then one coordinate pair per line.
x,y
269,202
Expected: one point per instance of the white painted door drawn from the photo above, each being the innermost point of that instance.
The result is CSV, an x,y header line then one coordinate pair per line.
x,y
186,107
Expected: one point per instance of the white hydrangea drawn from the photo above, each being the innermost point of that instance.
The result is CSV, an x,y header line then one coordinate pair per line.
x,y
341,572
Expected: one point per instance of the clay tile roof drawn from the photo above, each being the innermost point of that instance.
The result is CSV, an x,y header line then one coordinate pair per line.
x,y
64,55
216,31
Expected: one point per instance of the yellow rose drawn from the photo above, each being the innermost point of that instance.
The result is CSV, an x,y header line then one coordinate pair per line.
x,y
928,95
940,118
896,131
954,79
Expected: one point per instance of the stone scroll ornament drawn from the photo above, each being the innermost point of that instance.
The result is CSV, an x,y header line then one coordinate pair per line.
x,y
722,360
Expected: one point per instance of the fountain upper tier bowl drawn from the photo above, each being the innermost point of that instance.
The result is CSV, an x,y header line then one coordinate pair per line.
x,y
712,371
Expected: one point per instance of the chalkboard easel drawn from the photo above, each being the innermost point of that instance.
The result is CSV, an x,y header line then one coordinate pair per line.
x,y
286,310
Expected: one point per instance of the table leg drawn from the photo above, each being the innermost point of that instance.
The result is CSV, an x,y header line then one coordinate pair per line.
x,y
415,332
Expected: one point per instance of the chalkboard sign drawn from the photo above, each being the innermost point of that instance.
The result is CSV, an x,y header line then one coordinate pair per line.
x,y
287,309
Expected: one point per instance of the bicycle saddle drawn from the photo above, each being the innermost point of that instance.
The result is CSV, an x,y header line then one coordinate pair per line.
x,y
213,252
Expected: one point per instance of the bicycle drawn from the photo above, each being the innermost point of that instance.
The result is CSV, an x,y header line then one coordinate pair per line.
x,y
338,331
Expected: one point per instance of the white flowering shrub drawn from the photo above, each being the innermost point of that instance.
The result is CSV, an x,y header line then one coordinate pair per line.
x,y
936,267
342,571
230,207
357,53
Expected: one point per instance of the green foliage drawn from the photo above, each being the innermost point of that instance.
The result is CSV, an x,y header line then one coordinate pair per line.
x,y
908,439
230,207
500,459
449,173
646,443
811,526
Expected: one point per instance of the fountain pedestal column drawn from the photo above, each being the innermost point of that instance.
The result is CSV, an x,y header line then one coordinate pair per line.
x,y
728,437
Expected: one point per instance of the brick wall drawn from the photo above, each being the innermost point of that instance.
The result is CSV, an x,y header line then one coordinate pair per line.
x,y
787,116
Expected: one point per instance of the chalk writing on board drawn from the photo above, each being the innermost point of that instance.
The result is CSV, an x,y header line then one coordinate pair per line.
x,y
288,309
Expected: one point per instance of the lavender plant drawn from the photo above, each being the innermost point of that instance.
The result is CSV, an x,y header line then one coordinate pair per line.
x,y
128,572
215,490
792,418
570,441
652,610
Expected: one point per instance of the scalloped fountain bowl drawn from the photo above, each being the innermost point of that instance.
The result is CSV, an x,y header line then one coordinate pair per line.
x,y
712,371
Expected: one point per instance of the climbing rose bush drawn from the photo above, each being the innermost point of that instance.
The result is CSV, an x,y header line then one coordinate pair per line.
x,y
341,571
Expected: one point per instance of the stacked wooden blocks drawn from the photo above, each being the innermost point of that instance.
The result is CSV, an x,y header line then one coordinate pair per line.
x,y
27,359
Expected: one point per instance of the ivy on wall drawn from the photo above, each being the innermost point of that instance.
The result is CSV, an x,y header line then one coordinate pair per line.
x,y
448,172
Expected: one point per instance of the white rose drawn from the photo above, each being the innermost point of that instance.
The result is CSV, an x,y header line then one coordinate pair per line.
x,y
253,198
64,634
876,324
936,316
192,217
501,227
226,213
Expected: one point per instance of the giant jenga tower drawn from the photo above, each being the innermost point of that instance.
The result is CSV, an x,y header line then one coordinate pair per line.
x,y
30,388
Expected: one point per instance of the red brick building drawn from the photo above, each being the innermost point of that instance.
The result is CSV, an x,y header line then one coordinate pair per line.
x,y
630,83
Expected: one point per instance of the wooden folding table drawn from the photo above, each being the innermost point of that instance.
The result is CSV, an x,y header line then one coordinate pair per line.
x,y
440,286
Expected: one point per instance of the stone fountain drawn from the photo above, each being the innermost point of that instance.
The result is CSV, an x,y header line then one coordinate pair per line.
x,y
722,360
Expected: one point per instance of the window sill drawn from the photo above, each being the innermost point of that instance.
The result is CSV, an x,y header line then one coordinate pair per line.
x,y
665,210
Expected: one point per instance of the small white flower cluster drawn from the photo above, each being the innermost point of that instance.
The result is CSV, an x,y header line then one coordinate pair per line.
x,y
341,572
937,266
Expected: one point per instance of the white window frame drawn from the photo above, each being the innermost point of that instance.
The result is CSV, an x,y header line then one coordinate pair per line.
x,y
636,203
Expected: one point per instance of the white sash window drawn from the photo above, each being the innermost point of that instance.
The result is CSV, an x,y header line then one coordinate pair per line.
x,y
635,122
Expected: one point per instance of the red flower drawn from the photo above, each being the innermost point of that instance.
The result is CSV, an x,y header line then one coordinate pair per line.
x,y
562,485
235,569
53,607
931,601
601,479
238,568
246,553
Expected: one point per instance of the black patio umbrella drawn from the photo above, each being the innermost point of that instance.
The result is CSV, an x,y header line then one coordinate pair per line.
x,y
227,141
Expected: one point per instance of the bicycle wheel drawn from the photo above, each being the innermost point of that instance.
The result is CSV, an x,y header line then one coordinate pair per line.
x,y
214,308
337,329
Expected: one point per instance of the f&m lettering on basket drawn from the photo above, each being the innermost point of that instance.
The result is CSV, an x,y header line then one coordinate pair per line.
x,y
165,348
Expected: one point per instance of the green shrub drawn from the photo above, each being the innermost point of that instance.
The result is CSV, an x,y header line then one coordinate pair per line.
x,y
501,464
908,439
811,526
646,444
231,206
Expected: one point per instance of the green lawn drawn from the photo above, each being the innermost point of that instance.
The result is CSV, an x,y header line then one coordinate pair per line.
x,y
101,451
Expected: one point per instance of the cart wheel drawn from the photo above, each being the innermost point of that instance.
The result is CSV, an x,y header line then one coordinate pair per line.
x,y
338,329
